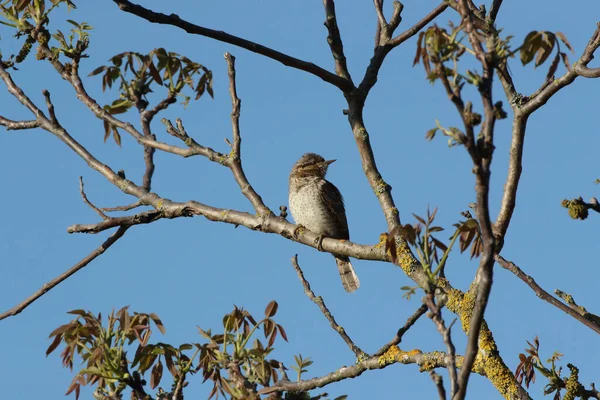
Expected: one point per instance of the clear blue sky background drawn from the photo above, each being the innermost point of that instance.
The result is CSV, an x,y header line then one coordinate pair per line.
x,y
191,271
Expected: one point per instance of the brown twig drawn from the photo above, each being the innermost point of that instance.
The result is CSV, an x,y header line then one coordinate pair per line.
x,y
544,295
334,40
409,323
318,300
439,384
127,207
54,282
234,162
494,9
221,36
145,217
522,113
89,203
18,125
436,317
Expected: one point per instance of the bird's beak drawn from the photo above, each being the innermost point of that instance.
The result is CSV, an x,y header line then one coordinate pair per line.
x,y
328,162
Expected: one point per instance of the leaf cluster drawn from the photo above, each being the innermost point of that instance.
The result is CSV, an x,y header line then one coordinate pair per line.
x,y
432,252
102,348
540,45
235,360
531,362
136,73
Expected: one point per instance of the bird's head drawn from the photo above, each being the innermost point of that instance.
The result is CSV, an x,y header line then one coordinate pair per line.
x,y
311,164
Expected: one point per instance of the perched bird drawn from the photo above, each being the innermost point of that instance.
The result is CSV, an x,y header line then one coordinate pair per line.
x,y
318,205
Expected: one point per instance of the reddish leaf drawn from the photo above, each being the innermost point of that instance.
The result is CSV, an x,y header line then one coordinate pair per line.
x,y
271,309
282,332
156,375
158,323
53,345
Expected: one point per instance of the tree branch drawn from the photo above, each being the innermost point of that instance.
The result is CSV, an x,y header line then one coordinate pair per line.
x,y
321,303
522,113
18,125
425,361
221,36
89,203
235,162
547,297
409,323
334,40
436,317
54,282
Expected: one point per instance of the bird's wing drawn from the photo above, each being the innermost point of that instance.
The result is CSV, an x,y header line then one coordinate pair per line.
x,y
332,197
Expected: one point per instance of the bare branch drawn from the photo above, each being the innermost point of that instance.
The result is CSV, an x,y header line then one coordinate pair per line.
x,y
494,9
50,106
425,361
547,297
127,207
413,30
335,41
54,282
321,303
18,125
235,163
145,217
221,36
439,384
381,21
409,323
436,317
89,203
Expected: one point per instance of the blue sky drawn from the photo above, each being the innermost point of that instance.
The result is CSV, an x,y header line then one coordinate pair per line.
x,y
191,271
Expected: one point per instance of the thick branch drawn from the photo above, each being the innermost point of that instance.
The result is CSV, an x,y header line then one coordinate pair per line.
x,y
221,36
54,282
321,303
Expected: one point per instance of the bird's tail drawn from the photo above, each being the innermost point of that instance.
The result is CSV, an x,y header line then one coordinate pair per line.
x,y
349,278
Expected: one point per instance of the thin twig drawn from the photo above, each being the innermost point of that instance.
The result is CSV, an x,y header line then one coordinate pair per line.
x,y
409,323
544,295
335,41
436,317
235,163
439,384
494,9
89,203
127,207
54,282
319,302
144,217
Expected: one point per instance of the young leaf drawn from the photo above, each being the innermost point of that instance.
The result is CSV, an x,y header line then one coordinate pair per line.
x,y
271,309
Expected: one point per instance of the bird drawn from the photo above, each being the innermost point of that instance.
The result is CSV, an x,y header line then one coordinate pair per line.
x,y
317,205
